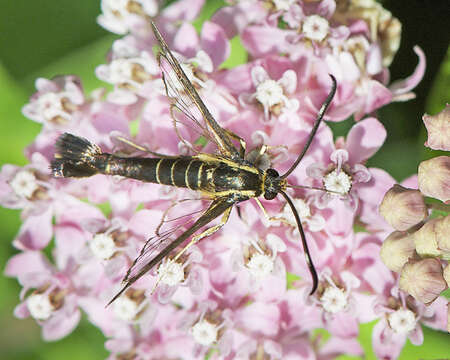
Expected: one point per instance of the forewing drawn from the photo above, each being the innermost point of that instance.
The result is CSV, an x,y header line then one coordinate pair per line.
x,y
185,99
157,248
176,219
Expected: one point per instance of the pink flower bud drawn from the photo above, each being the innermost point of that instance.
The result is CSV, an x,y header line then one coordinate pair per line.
x,y
403,208
448,317
442,229
397,248
423,279
447,274
426,241
438,127
434,178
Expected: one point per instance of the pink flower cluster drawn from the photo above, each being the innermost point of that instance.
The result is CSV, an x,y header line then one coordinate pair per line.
x,y
228,297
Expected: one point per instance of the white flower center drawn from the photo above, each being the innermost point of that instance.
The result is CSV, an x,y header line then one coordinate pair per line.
x,y
120,71
115,5
171,273
337,182
50,105
24,184
125,308
402,321
203,61
102,246
315,27
269,93
260,265
204,333
39,306
333,300
302,208
283,4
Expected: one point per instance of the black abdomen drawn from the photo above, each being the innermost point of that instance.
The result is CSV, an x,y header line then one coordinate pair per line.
x,y
212,177
180,172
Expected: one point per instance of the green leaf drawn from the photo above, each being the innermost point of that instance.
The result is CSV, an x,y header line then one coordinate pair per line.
x,y
81,62
439,95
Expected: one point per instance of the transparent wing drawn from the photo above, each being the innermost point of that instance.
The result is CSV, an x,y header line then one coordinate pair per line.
x,y
188,108
160,246
176,219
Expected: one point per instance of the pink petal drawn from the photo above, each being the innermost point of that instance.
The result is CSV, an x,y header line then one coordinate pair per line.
x,y
237,80
340,223
416,336
386,344
44,85
21,311
35,232
403,86
110,117
377,95
98,315
337,346
343,324
326,8
368,264
438,320
74,211
364,307
26,262
263,40
184,10
374,62
186,40
289,81
233,19
60,325
69,241
165,293
364,139
215,43
144,222
261,318
371,193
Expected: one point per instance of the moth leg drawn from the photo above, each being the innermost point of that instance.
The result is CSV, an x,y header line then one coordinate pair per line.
x,y
196,238
271,218
242,143
265,148
261,206
207,232
281,219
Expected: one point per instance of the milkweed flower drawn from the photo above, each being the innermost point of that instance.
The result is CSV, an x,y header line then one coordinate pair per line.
x,y
243,292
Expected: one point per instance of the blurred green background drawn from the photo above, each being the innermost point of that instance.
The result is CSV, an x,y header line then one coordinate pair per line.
x,y
46,38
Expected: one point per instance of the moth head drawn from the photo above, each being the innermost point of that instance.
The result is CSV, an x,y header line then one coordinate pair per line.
x,y
273,184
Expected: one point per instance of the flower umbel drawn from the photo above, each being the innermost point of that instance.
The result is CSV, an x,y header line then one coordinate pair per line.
x,y
242,290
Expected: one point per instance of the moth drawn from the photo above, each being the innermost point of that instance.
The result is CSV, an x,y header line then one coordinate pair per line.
x,y
226,177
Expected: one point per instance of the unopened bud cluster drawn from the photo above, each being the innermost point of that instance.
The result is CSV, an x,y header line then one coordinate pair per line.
x,y
419,249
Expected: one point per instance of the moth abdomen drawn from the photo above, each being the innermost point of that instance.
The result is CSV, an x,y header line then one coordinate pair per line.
x,y
74,157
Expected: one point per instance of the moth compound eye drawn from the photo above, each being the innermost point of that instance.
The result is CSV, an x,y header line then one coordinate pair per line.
x,y
272,173
269,195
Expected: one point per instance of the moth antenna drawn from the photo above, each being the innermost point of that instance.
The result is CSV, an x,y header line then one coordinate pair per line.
x,y
312,188
308,259
322,111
